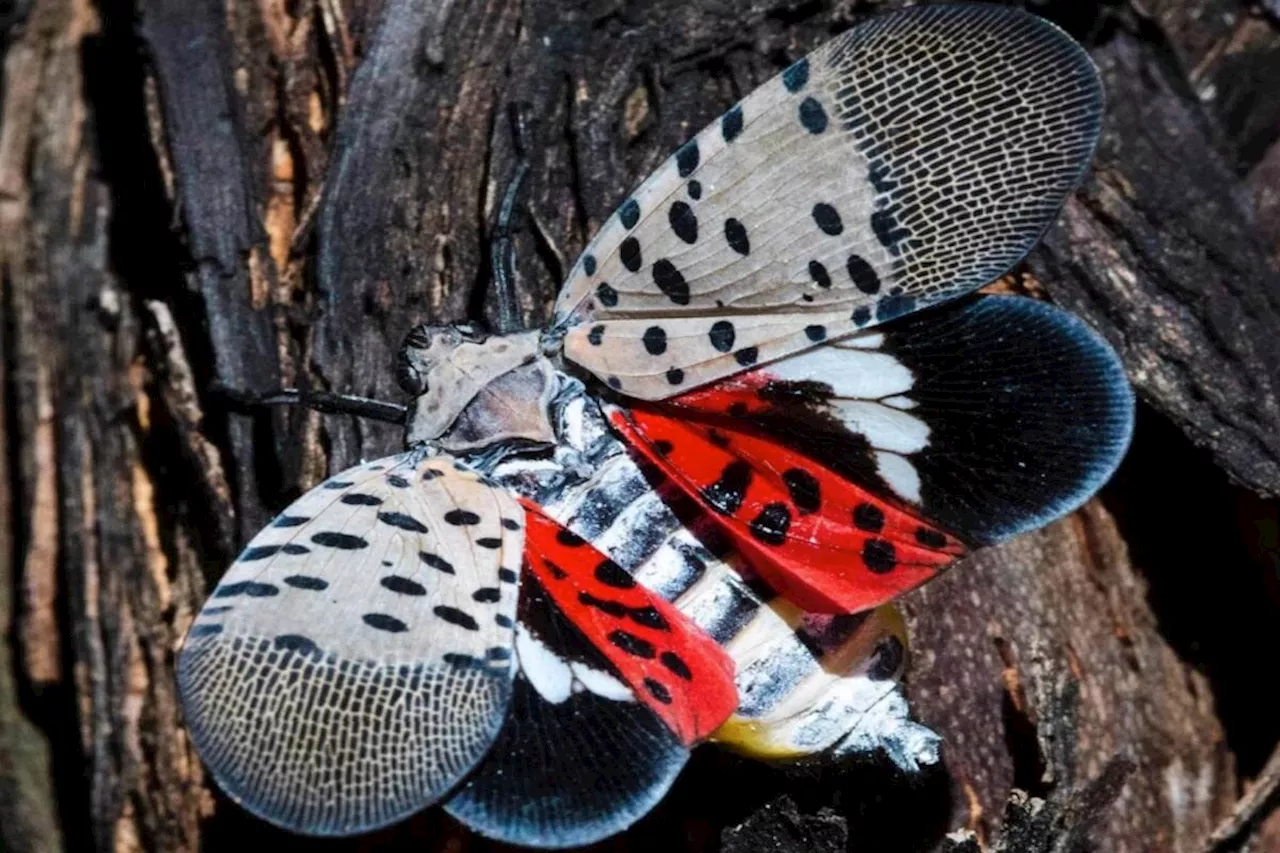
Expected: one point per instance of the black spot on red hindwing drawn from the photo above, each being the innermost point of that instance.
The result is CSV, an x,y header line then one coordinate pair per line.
x,y
930,538
879,555
868,517
662,447
611,574
657,691
649,617
727,493
567,537
803,488
673,662
771,525
632,645
613,608
717,438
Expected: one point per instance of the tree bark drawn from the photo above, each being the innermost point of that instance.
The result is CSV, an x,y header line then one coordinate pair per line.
x,y
267,193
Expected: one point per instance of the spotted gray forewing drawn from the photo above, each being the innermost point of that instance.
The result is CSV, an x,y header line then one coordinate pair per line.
x,y
356,660
910,160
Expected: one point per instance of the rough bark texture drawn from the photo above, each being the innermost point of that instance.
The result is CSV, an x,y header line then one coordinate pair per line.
x,y
264,193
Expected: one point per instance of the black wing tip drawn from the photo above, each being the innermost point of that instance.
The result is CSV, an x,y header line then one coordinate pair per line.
x,y
1029,409
1109,428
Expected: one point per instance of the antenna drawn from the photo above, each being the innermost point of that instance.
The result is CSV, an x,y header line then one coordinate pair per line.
x,y
502,249
321,401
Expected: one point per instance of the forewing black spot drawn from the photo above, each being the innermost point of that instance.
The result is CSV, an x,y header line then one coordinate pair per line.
x,y
813,116
510,524
815,333
454,616
863,276
384,622
258,552
819,274
675,376
253,589
731,124
507,576
683,221
827,218
296,643
402,521
607,295
629,213
796,75
397,481
487,595
589,264
461,517
655,340
629,251
747,356
207,630
671,282
491,542
722,335
595,337
735,234
403,585
687,158
306,582
289,520
437,562
359,499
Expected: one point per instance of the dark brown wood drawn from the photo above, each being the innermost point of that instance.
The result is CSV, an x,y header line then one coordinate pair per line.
x,y
264,194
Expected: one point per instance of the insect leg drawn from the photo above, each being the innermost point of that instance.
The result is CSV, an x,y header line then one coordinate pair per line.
x,y
321,401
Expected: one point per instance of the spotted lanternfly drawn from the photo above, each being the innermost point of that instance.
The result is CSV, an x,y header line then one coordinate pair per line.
x,y
766,405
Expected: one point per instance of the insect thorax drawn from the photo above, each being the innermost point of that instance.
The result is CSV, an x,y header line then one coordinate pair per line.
x,y
473,390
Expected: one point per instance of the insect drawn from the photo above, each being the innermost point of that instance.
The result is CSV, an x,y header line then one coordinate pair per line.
x,y
766,405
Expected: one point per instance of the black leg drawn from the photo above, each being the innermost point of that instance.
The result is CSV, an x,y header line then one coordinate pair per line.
x,y
321,401
502,249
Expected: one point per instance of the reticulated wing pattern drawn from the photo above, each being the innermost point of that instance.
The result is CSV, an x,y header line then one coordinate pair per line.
x,y
914,158
356,660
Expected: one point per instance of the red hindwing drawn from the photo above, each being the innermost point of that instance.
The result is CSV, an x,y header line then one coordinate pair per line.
x,y
674,668
825,543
